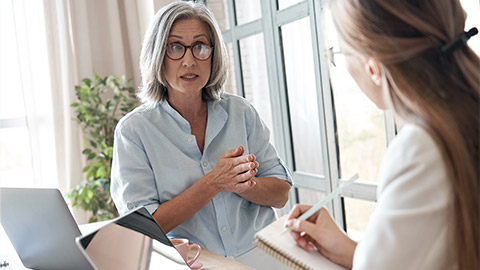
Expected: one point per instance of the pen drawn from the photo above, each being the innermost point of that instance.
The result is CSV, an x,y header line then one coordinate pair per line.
x,y
325,200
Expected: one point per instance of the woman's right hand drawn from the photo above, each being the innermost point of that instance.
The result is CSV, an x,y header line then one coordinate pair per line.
x,y
320,232
234,171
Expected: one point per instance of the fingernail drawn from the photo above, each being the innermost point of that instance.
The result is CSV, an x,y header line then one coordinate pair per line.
x,y
295,223
289,223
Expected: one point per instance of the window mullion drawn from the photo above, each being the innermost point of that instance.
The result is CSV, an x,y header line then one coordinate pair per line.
x,y
278,94
326,112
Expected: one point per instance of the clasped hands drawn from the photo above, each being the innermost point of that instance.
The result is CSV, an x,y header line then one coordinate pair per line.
x,y
234,171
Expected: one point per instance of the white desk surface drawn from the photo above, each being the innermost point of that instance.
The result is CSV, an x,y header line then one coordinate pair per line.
x,y
209,259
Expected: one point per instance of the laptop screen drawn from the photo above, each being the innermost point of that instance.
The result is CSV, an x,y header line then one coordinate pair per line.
x,y
133,241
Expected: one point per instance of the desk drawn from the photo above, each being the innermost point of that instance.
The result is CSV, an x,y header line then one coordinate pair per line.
x,y
210,260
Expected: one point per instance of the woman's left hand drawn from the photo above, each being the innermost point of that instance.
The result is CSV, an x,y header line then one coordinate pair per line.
x,y
321,232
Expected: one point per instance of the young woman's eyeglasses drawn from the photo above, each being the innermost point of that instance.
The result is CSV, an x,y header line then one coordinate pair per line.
x,y
335,57
200,51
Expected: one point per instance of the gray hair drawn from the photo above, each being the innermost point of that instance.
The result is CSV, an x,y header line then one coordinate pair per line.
x,y
154,83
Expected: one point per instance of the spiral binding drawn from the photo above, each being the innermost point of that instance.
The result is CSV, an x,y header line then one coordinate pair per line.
x,y
282,256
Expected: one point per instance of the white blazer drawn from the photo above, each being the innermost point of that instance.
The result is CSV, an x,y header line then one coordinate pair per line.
x,y
411,225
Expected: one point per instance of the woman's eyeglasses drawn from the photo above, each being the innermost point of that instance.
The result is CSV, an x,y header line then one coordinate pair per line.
x,y
200,51
335,57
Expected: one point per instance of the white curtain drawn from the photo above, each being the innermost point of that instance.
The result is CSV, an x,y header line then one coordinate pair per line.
x,y
37,91
60,42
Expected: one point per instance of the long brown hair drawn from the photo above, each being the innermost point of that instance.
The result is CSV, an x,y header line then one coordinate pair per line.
x,y
435,90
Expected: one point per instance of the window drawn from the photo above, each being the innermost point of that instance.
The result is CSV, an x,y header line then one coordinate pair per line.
x,y
302,96
247,11
27,140
254,72
15,156
278,65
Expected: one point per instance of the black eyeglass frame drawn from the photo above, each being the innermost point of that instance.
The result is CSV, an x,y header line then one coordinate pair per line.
x,y
331,55
191,49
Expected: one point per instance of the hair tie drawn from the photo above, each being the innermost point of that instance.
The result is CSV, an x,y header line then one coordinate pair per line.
x,y
459,42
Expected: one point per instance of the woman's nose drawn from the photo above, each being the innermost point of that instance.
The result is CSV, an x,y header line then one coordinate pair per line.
x,y
188,59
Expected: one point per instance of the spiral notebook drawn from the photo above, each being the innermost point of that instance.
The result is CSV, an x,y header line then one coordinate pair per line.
x,y
286,250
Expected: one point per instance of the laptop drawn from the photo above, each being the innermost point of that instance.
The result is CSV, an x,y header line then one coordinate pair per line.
x,y
41,228
132,241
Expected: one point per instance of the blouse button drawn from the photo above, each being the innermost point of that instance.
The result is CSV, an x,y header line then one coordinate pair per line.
x,y
130,206
204,164
189,139
224,228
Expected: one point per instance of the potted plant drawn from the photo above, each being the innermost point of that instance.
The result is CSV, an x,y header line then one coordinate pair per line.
x,y
101,103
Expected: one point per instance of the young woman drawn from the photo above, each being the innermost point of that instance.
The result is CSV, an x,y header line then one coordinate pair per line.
x,y
411,56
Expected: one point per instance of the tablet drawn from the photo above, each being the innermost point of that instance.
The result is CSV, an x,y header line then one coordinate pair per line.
x,y
132,241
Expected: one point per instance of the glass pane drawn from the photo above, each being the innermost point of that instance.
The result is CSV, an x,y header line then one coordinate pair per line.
x,y
15,158
220,10
247,10
255,82
231,84
11,95
357,216
302,96
286,3
307,196
360,124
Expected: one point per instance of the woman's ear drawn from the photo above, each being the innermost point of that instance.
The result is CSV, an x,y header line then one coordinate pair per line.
x,y
372,67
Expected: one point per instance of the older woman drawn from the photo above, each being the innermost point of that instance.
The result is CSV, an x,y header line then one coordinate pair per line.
x,y
197,158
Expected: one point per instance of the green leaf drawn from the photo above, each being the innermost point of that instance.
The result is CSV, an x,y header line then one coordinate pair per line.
x,y
108,152
101,172
91,156
90,172
90,194
86,168
93,144
87,81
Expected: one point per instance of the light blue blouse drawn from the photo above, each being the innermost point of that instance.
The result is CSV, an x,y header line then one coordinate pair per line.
x,y
156,158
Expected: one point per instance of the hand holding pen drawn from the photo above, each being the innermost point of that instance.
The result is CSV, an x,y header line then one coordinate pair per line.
x,y
314,229
325,200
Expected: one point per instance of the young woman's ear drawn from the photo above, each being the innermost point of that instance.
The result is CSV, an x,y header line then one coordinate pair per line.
x,y
372,67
